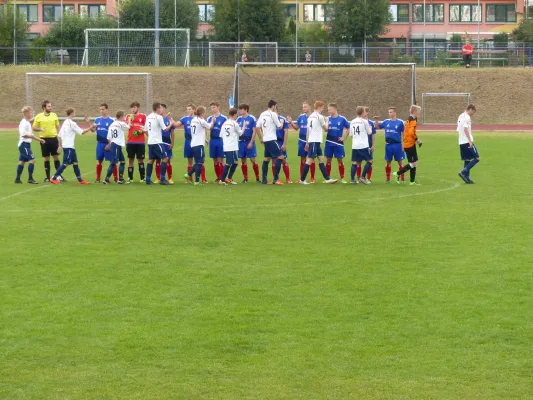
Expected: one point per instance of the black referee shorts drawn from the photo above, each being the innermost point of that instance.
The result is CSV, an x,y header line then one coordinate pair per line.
x,y
49,147
411,154
136,150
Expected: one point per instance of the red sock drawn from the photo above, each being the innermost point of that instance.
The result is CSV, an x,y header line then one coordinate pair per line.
x,y
387,172
313,169
328,168
169,170
287,171
189,167
115,173
358,171
98,171
403,175
158,170
341,170
273,168
369,174
244,168
215,166
302,164
203,173
256,171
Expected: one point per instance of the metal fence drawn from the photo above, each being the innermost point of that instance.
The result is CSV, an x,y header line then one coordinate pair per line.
x,y
435,55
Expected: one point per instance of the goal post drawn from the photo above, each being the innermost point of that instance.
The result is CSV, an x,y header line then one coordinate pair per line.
x,y
443,113
377,85
85,91
137,47
228,53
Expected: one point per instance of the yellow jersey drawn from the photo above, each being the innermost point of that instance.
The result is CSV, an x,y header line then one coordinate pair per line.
x,y
48,122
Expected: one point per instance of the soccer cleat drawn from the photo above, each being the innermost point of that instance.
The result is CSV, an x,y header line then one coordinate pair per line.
x,y
312,180
54,181
217,180
197,183
47,180
289,182
106,182
354,182
33,182
204,182
414,184
83,182
97,181
157,180
303,183
149,182
18,181
121,182
130,180
364,181
387,182
259,181
171,181
220,182
344,181
264,182
164,182
331,181
463,177
245,181
471,182
397,177
278,182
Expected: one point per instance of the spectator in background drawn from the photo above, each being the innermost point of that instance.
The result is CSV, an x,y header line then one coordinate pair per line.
x,y
244,58
307,57
468,50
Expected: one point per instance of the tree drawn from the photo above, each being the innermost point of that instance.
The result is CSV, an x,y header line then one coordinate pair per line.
x,y
524,32
354,20
141,14
6,26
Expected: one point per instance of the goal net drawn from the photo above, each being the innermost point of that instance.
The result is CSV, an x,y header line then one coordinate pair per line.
x,y
86,91
137,47
443,108
378,86
229,53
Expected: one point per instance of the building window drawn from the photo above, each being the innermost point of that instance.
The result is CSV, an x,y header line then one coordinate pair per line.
x,y
434,13
501,13
29,11
92,10
52,13
399,12
465,13
314,13
206,12
290,11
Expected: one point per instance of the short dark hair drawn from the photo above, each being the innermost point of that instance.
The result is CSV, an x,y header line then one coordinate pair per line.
x,y
104,105
120,114
471,107
392,108
232,111
155,106
214,103
45,102
244,107
135,104
70,111
163,105
272,103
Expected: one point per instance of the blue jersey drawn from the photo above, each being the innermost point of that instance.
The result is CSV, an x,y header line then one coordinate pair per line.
x,y
250,126
166,135
102,127
393,130
336,127
186,122
302,123
373,128
280,132
215,132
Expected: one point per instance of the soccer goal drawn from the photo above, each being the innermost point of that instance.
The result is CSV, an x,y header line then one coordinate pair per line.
x,y
137,47
229,53
85,91
378,86
443,108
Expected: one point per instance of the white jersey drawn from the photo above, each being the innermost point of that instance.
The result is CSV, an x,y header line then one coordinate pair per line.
x,y
199,127
359,130
68,133
116,132
463,122
269,122
315,122
230,133
24,129
155,125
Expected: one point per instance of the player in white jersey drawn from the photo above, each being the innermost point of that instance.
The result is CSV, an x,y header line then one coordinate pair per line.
x,y
469,153
116,142
155,125
25,137
66,136
199,127
360,131
267,124
316,126
231,131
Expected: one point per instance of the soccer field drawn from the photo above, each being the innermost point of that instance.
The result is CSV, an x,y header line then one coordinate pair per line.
x,y
266,292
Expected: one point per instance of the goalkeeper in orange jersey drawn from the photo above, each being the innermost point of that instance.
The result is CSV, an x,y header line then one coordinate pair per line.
x,y
410,140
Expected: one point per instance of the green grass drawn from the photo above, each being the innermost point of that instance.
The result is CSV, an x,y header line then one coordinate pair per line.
x,y
381,292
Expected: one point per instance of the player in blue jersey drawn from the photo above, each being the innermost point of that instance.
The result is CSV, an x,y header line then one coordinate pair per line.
x,y
168,145
393,128
185,122
216,146
282,136
371,145
102,127
337,125
301,126
247,148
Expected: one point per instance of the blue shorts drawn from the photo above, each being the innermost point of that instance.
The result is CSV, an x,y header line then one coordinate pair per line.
x,y
301,148
101,154
244,152
272,149
394,150
332,150
187,150
315,150
468,153
167,150
280,144
69,156
359,155
198,154
116,153
216,148
156,152
231,157
25,152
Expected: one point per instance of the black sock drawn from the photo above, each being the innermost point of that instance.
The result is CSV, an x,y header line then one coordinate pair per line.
x,y
47,169
130,173
57,164
404,169
141,171
413,174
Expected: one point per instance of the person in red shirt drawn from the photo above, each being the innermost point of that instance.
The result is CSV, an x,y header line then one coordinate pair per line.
x,y
468,50
135,146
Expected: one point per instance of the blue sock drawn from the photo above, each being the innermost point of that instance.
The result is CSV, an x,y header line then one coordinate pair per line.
x,y
232,170
31,166
265,170
324,171
277,169
77,172
121,169
110,171
305,172
225,172
353,171
149,169
470,165
163,170
20,168
59,171
366,168
198,170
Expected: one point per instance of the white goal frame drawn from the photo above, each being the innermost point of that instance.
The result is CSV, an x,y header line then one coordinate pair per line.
x,y
424,95
299,64
148,88
237,44
85,59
